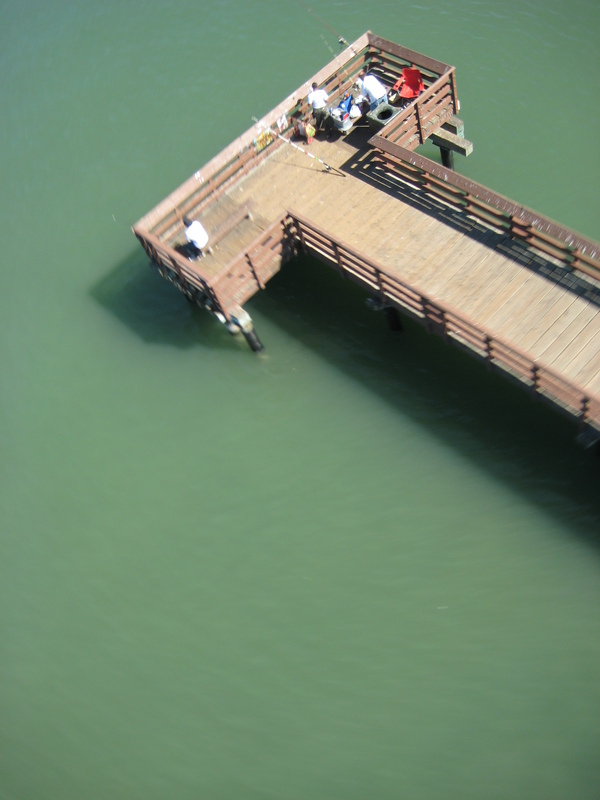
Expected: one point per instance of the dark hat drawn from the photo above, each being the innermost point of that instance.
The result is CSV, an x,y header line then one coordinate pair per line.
x,y
187,222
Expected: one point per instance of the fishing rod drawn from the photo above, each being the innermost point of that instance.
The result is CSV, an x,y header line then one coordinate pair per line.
x,y
340,38
327,166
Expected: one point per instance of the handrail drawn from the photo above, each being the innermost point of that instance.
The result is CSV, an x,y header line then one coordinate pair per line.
x,y
572,250
250,270
441,318
190,278
209,173
385,47
242,155
208,186
430,109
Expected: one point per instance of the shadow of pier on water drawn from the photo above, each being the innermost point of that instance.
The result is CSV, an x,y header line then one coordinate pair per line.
x,y
154,310
527,445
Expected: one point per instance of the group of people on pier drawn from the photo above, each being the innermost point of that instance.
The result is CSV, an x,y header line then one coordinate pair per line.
x,y
370,93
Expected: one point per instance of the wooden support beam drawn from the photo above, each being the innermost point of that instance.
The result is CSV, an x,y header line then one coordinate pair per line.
x,y
447,157
454,125
450,141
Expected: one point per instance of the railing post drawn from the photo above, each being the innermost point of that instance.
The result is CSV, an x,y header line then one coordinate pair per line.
x,y
244,159
488,351
444,325
300,230
180,275
455,102
338,258
254,272
380,285
519,230
290,226
535,378
585,405
419,124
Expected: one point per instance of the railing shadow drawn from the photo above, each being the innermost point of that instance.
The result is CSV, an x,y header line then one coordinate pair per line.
x,y
364,166
527,445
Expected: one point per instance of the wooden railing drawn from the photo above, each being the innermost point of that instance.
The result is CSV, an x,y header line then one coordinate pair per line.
x,y
388,59
248,150
440,318
412,126
236,282
211,182
567,248
185,275
249,271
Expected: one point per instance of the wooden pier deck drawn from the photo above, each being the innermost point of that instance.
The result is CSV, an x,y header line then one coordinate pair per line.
x,y
512,288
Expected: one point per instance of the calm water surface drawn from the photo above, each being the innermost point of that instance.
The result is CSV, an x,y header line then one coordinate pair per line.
x,y
357,566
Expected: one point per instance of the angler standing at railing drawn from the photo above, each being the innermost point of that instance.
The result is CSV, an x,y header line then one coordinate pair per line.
x,y
318,99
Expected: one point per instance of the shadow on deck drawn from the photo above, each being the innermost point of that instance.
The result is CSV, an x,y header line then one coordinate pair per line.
x,y
364,166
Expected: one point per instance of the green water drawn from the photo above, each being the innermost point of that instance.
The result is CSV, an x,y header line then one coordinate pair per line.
x,y
357,566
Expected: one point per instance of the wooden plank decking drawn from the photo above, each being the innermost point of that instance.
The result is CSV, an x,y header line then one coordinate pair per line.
x,y
433,247
517,290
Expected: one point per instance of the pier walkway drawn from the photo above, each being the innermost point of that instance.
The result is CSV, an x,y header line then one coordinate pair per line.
x,y
514,289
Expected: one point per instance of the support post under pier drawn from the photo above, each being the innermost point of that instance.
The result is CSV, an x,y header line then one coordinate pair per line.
x,y
391,312
243,320
447,157
393,318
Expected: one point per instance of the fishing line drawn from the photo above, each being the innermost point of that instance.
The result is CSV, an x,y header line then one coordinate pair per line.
x,y
340,38
327,45
327,166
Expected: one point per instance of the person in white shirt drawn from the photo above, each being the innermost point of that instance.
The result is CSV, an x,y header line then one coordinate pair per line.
x,y
196,236
372,88
318,99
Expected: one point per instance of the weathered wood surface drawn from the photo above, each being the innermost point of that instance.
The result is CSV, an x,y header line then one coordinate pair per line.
x,y
490,279
450,141
518,290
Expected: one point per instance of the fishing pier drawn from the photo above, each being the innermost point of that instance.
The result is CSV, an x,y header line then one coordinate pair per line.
x,y
516,290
